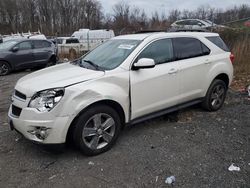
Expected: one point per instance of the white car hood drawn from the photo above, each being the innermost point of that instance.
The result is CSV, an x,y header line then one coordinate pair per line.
x,y
54,77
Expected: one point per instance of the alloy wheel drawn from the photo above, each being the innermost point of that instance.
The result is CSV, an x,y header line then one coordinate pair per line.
x,y
4,69
98,131
218,95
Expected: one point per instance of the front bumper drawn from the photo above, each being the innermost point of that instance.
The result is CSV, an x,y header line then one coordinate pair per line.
x,y
31,119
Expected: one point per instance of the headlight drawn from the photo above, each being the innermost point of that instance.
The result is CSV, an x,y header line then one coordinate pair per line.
x,y
46,100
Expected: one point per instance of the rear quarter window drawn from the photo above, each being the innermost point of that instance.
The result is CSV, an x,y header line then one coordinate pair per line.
x,y
185,47
218,42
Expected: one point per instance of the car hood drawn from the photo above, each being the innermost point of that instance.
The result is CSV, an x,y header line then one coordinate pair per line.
x,y
53,77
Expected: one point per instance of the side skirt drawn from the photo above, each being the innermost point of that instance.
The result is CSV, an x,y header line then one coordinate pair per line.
x,y
164,111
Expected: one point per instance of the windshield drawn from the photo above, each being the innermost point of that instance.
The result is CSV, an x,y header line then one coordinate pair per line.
x,y
7,44
110,54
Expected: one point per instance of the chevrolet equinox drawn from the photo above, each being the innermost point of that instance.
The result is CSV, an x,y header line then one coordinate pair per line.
x,y
126,80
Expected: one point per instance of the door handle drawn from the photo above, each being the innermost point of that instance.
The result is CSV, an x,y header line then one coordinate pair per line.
x,y
172,71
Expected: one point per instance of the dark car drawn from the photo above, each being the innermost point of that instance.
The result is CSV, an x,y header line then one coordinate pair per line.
x,y
26,53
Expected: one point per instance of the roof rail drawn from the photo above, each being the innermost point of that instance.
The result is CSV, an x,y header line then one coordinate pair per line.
x,y
149,31
23,34
187,30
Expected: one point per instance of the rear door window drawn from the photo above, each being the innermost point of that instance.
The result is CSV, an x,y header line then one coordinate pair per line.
x,y
180,23
41,44
205,49
188,48
218,42
161,51
193,22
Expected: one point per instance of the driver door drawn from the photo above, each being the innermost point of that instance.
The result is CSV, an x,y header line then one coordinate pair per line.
x,y
157,88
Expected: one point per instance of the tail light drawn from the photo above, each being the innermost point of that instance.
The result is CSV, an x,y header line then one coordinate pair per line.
x,y
232,57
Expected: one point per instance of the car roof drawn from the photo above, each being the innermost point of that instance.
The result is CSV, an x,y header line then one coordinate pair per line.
x,y
188,19
165,34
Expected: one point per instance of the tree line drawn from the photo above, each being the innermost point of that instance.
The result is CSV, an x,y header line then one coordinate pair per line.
x,y
63,17
49,16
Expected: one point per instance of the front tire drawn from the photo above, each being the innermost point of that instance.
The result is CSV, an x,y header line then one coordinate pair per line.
x,y
215,96
4,68
97,129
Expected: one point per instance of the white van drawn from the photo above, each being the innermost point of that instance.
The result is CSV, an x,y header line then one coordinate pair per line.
x,y
93,36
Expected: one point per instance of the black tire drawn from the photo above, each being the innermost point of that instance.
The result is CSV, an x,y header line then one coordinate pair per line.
x,y
215,96
86,132
4,68
51,62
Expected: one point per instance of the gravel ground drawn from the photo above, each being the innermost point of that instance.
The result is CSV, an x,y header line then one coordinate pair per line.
x,y
195,146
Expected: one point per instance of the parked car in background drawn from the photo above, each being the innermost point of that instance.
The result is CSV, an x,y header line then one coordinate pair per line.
x,y
126,80
82,41
67,45
195,24
26,53
67,40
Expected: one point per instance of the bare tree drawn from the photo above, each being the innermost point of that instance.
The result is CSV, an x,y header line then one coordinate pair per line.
x,y
174,15
66,16
121,16
49,16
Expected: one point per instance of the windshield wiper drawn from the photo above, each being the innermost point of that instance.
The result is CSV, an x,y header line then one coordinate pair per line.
x,y
97,67
76,61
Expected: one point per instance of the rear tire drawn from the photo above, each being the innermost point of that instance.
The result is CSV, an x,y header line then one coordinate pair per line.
x,y
215,96
97,130
51,62
4,68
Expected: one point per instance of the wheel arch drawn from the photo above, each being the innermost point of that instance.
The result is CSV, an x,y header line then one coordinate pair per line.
x,y
224,77
220,76
3,60
111,103
53,57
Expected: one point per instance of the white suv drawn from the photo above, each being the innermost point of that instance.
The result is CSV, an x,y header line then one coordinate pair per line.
x,y
126,80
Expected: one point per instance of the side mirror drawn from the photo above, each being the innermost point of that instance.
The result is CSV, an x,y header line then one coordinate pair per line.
x,y
200,24
144,63
15,49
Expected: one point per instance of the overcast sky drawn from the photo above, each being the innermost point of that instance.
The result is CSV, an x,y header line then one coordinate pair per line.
x,y
165,5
